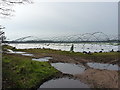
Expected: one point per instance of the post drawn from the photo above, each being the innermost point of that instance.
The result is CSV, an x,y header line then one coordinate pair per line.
x,y
72,48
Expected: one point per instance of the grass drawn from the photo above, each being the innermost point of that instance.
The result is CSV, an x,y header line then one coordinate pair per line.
x,y
95,57
21,72
5,47
105,57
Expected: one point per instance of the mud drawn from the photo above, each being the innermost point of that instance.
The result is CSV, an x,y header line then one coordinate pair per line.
x,y
100,78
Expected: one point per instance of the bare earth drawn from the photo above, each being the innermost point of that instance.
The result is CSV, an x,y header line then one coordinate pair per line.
x,y
99,78
94,77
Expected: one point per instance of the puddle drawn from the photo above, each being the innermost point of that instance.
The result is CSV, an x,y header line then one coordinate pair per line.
x,y
17,52
68,68
27,54
64,83
45,59
103,66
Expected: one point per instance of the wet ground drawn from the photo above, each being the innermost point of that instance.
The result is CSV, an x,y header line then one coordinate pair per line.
x,y
100,78
103,66
15,52
44,59
93,74
19,52
64,83
27,54
68,68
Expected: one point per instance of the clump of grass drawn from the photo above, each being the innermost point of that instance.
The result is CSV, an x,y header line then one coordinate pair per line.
x,y
21,72
7,47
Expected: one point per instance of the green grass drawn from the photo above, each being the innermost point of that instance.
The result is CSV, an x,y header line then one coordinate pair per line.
x,y
104,57
5,47
21,72
95,57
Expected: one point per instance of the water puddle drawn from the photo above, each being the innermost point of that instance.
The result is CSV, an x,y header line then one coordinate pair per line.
x,y
103,66
45,59
17,52
27,54
68,68
64,83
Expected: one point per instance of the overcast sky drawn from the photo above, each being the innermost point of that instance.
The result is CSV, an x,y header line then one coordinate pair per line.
x,y
44,19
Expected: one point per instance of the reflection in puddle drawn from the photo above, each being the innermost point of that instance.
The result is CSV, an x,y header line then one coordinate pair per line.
x,y
45,59
64,83
68,68
27,54
103,66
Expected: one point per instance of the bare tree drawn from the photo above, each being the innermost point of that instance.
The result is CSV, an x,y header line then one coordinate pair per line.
x,y
7,5
2,34
6,10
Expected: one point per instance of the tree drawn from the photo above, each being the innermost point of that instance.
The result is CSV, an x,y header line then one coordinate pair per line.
x,y
6,9
2,36
6,6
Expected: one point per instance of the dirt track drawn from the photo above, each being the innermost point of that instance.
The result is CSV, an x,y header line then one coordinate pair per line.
x,y
94,77
99,78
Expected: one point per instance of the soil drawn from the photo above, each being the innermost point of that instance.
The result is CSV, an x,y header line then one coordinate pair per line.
x,y
99,78
96,78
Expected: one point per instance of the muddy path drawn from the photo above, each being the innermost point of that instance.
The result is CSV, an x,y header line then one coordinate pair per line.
x,y
79,58
100,78
96,78
62,58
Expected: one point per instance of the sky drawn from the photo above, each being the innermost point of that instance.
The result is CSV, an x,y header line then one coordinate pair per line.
x,y
47,19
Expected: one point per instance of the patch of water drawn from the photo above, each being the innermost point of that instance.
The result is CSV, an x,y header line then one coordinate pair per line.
x,y
27,54
103,66
64,83
45,59
17,52
68,68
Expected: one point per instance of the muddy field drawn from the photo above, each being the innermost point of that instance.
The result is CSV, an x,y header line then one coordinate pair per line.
x,y
94,77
